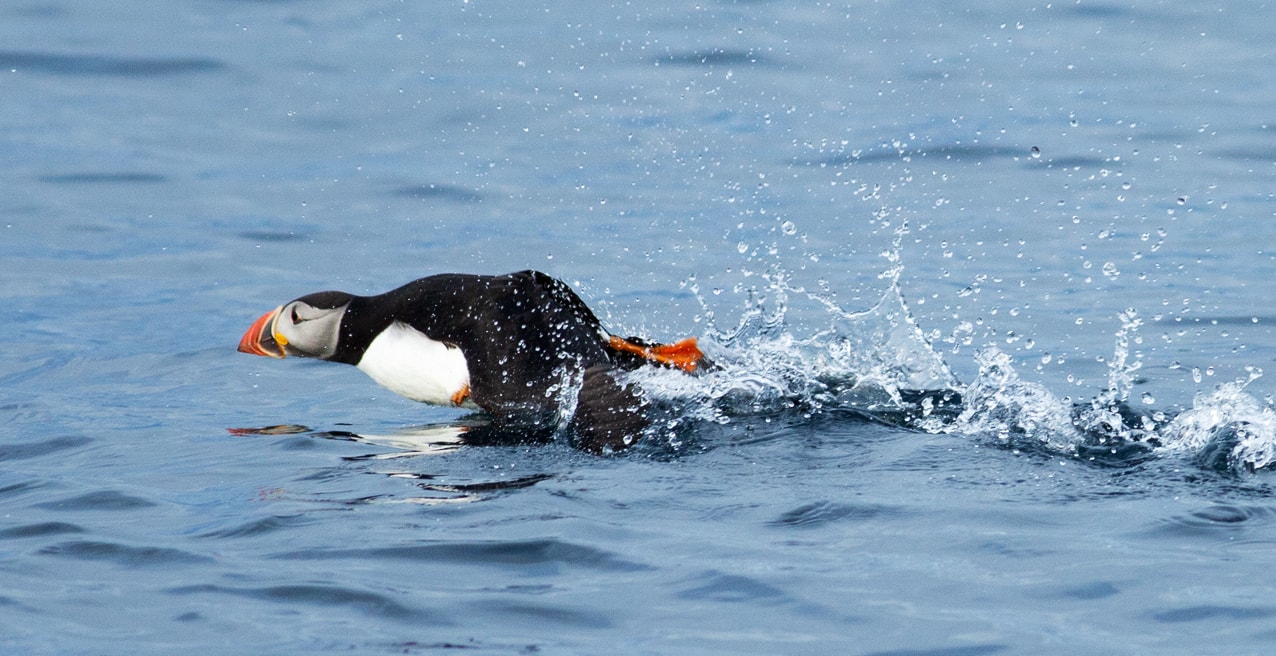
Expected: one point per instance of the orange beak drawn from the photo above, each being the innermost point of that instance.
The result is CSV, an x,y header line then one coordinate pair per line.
x,y
261,338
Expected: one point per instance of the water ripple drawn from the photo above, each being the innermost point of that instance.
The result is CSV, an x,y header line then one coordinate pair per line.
x,y
123,554
1218,517
527,552
37,448
40,529
19,488
1090,591
958,152
549,614
258,527
971,650
443,192
274,236
824,512
1202,613
317,595
103,178
102,500
716,586
60,64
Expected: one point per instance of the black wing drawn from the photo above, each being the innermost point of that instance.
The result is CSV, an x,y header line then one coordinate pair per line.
x,y
524,335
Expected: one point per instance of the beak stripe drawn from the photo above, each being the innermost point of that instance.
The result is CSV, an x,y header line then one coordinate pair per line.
x,y
261,338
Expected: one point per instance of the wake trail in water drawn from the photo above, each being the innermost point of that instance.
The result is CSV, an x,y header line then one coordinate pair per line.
x,y
878,364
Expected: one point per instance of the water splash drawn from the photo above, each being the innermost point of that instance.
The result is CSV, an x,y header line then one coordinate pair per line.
x,y
1227,429
1012,411
873,363
860,361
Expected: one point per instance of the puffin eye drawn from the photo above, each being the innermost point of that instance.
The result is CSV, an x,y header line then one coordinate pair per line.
x,y
296,319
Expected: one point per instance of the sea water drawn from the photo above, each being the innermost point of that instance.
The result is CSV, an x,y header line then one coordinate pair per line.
x,y
1058,213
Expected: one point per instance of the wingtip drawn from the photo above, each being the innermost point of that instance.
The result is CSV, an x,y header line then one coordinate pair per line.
x,y
611,413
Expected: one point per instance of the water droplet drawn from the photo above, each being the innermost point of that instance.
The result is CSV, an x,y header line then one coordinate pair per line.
x,y
788,228
1148,399
1036,152
1111,271
741,248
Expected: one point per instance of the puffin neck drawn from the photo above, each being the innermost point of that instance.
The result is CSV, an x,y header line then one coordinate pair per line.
x,y
360,324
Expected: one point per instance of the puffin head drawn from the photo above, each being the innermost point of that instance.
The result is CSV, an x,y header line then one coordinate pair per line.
x,y
308,327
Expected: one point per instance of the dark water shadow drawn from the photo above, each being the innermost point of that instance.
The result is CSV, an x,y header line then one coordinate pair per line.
x,y
971,650
122,554
40,530
1067,162
819,513
93,177
273,236
524,553
319,595
1089,591
105,65
258,527
720,587
102,500
42,447
1212,614
440,192
1215,520
959,153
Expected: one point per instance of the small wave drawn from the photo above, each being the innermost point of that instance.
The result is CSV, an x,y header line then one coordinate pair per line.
x,y
42,529
531,552
1212,519
826,512
122,554
42,447
318,595
109,500
98,65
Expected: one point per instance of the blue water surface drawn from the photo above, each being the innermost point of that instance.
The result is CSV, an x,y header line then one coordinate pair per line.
x,y
1073,201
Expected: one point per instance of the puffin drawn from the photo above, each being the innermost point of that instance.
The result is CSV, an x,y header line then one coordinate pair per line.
x,y
520,347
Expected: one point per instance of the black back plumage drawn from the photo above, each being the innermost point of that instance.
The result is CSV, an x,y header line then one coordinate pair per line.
x,y
520,333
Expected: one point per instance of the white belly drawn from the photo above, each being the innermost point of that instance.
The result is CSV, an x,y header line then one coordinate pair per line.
x,y
406,362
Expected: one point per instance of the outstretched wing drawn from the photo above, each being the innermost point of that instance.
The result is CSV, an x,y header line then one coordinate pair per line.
x,y
611,413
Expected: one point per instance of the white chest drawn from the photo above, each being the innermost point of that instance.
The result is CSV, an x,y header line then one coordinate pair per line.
x,y
406,362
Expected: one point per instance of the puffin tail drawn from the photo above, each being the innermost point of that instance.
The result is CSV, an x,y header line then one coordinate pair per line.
x,y
611,414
